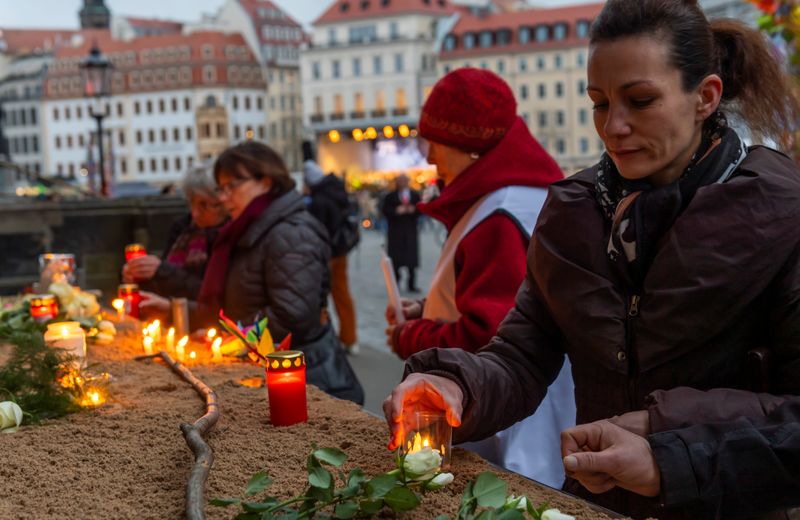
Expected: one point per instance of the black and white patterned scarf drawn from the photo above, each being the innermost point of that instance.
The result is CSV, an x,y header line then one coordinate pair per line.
x,y
641,214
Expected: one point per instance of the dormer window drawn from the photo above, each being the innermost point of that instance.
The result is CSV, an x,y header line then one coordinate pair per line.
x,y
486,39
503,37
560,31
524,35
364,5
469,40
582,29
450,42
344,7
542,33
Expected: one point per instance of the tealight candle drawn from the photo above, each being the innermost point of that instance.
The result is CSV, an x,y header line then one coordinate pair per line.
x,y
156,330
171,339
69,336
134,251
180,350
216,351
119,305
44,307
286,385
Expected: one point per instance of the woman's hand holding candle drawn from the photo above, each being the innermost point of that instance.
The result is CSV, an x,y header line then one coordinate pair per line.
x,y
421,392
141,268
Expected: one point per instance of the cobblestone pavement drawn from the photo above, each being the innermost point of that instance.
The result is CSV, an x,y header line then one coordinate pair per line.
x,y
377,367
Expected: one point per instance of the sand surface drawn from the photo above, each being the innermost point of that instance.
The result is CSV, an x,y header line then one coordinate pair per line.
x,y
128,458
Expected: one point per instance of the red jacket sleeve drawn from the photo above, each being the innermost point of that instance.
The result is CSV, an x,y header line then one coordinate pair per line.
x,y
490,266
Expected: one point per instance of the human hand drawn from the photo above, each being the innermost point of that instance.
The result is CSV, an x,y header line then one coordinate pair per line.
x,y
153,302
602,455
412,309
142,268
423,393
635,422
127,276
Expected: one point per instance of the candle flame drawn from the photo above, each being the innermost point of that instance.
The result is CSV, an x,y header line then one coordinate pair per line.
x,y
184,340
64,332
192,355
156,324
118,304
418,443
95,397
171,332
212,332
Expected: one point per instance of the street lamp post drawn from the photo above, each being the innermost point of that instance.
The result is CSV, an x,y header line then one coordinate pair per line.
x,y
97,70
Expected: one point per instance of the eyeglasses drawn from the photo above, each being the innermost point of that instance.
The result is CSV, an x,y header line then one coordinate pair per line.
x,y
227,189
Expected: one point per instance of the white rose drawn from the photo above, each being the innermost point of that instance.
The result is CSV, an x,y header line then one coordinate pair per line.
x,y
107,327
439,481
555,514
63,291
10,416
423,464
522,505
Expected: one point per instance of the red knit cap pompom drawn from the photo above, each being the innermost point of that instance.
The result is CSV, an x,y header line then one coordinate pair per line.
x,y
470,109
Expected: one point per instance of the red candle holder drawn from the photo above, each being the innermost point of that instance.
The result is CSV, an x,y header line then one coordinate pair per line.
x,y
286,385
44,307
129,293
134,251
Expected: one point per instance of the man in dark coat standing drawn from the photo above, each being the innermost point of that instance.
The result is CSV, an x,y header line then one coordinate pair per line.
x,y
400,210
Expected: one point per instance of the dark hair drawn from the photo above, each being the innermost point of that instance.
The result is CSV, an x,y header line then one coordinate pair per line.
x,y
755,88
252,159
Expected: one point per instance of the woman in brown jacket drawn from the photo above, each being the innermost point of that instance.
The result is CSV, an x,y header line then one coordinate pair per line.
x,y
660,272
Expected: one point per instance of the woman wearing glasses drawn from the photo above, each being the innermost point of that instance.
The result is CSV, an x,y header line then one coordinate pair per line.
x,y
179,272
271,260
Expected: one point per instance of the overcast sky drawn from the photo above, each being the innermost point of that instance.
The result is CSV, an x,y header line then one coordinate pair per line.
x,y
64,13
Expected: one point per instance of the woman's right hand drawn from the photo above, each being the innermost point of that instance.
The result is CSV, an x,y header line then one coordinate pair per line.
x,y
412,310
421,392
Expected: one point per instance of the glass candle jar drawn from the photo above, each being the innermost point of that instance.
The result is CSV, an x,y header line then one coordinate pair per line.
x,y
286,385
428,430
134,251
129,293
70,337
44,307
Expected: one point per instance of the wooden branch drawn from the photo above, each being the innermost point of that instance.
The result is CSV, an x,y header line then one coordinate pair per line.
x,y
193,434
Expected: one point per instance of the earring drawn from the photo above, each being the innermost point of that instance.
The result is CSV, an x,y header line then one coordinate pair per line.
x,y
474,156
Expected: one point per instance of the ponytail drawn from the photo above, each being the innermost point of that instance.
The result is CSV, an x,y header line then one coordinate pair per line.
x,y
754,86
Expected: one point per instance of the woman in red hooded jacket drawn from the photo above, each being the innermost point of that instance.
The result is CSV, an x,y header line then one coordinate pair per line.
x,y
493,176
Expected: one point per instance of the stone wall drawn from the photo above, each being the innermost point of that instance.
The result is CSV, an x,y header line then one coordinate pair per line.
x,y
95,231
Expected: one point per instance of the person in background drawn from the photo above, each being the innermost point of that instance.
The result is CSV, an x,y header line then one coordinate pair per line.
x,y
330,205
494,177
179,272
667,274
400,209
271,260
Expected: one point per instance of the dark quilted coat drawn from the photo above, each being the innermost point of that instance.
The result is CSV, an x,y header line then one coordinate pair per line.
x,y
279,268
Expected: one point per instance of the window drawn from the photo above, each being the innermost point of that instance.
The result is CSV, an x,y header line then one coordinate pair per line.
x,y
332,35
541,33
400,99
542,91
123,166
558,60
336,69
318,105
121,138
356,67
522,65
262,132
363,34
237,132
149,107
315,71
501,66
485,39
187,104
137,108
584,145
138,137
503,37
260,103
580,59
560,147
188,133
141,165
80,140
209,73
35,144
33,116
559,118
358,101
58,141
178,165
524,35
398,62
338,104
67,113
582,29
162,107
153,166
523,92
164,135
377,65
176,134
583,116
540,63
247,103
69,141
208,52
151,136
174,103
165,164
469,40
220,129
560,31
119,110
394,31
559,89
78,112
235,103
380,102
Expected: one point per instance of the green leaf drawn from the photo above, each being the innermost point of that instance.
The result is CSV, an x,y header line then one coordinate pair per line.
x,y
380,485
345,510
370,507
223,502
468,503
319,477
356,477
247,516
324,495
489,490
332,456
536,512
258,483
401,499
258,507
510,514
488,514
442,517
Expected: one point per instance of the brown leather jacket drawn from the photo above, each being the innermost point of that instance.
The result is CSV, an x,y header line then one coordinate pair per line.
x,y
726,279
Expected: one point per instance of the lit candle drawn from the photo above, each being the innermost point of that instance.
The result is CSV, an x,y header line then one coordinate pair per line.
x,y
147,342
69,336
134,251
129,293
44,307
216,351
180,350
119,304
211,334
171,339
192,355
428,430
156,330
286,385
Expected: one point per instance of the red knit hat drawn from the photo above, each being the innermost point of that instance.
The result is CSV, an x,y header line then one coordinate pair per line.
x,y
470,109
